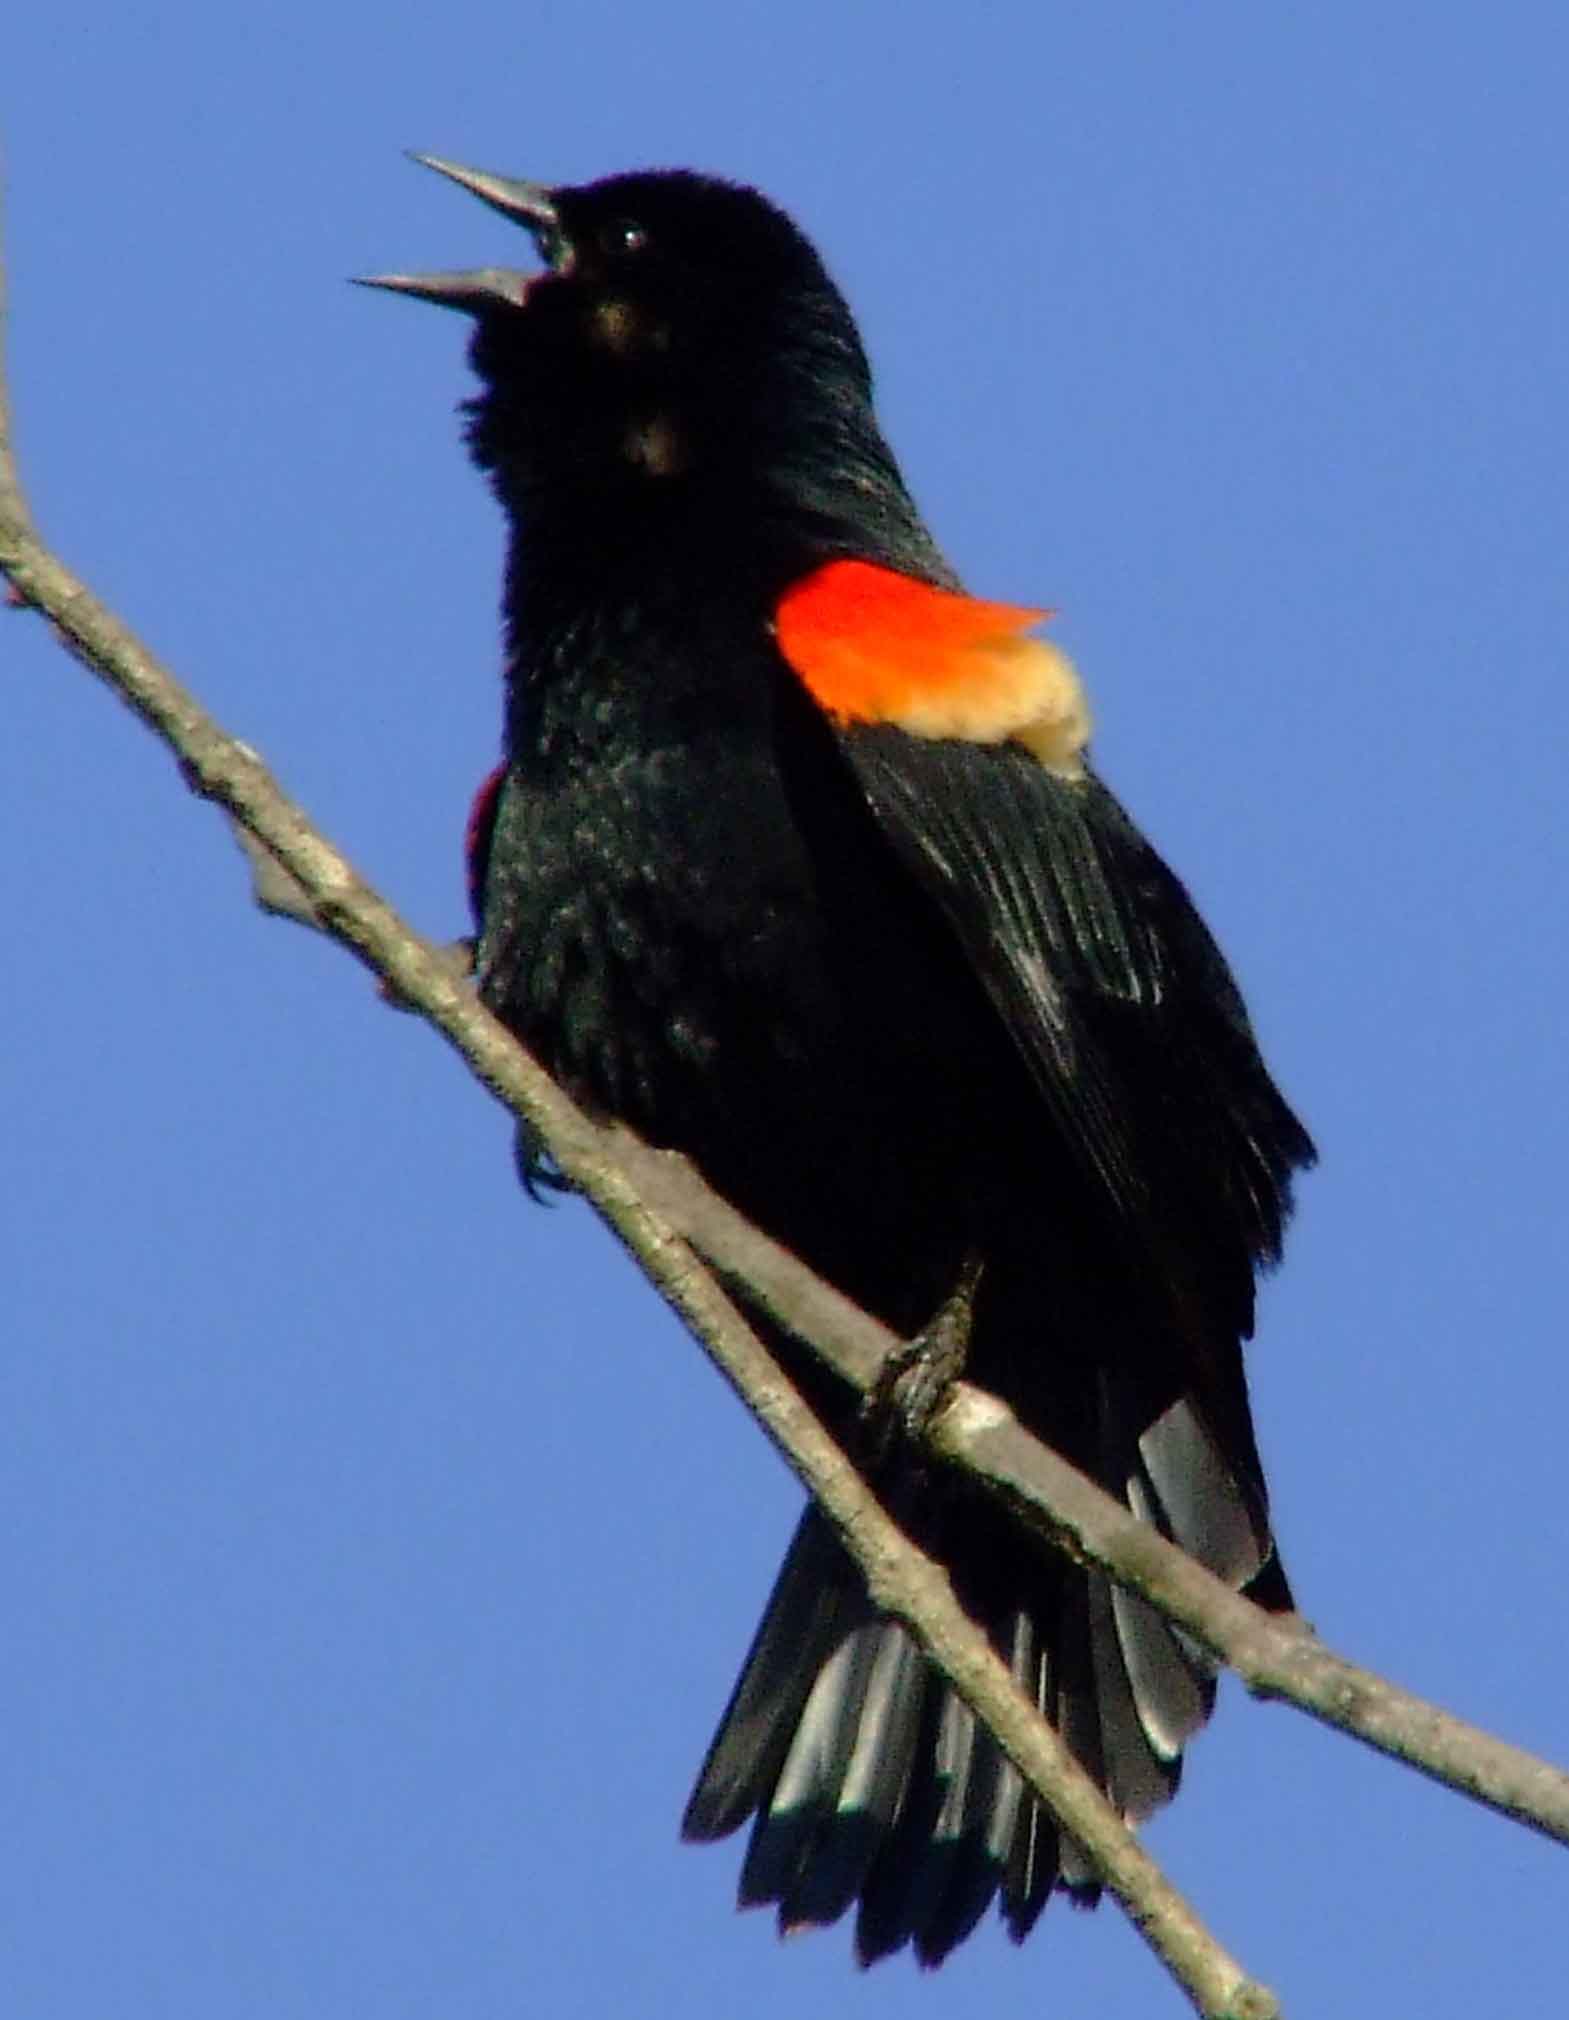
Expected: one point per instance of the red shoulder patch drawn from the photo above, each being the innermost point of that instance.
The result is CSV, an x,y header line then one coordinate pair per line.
x,y
875,646
477,836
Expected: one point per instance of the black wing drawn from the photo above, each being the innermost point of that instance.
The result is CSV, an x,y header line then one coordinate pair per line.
x,y
1114,991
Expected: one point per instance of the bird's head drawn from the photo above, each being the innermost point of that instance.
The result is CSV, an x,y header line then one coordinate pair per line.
x,y
681,340
678,323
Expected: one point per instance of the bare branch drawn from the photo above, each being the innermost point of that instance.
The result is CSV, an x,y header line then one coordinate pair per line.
x,y
1277,1656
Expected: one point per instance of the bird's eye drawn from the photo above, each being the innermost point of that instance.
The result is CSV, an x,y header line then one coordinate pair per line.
x,y
623,235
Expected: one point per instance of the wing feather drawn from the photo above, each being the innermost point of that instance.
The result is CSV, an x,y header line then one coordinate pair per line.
x,y
1111,986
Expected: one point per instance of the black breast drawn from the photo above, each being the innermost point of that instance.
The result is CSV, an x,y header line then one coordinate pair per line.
x,y
692,919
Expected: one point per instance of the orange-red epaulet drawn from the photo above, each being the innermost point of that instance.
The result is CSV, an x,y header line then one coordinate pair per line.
x,y
875,646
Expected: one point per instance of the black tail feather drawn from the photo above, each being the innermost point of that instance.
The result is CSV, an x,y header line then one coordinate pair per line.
x,y
815,1599
870,1780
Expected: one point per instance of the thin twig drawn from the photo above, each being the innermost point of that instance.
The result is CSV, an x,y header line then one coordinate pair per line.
x,y
1277,1656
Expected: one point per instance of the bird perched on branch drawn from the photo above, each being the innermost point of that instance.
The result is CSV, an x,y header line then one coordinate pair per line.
x,y
796,863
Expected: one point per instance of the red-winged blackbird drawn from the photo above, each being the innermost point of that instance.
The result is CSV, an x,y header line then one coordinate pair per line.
x,y
795,863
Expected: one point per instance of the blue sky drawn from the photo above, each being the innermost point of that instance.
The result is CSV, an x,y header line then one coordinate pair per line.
x,y
376,1553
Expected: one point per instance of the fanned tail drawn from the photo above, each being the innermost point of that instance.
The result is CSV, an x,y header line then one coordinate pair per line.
x,y
869,1780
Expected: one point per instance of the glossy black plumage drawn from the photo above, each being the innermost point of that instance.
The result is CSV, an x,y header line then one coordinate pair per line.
x,y
905,1000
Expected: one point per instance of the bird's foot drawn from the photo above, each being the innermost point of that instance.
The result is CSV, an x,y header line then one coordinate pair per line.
x,y
915,1378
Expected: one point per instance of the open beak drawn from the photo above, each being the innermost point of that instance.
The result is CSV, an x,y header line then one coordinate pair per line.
x,y
529,204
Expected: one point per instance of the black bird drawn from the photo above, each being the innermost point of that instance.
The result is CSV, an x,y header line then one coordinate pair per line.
x,y
796,864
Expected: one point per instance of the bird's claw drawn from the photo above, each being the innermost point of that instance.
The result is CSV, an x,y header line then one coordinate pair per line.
x,y
917,1376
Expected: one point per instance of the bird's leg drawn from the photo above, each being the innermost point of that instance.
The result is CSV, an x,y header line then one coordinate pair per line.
x,y
916,1376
